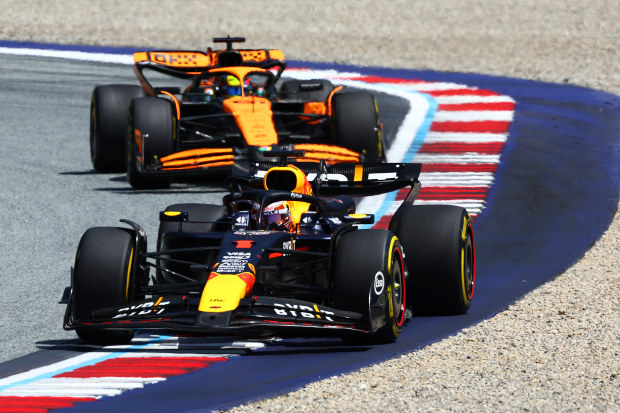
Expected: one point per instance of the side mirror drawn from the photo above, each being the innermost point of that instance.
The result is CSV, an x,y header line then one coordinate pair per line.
x,y
308,220
241,220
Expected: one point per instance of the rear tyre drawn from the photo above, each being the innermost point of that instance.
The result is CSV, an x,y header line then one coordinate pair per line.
x,y
102,278
356,125
108,120
369,278
150,136
206,213
438,241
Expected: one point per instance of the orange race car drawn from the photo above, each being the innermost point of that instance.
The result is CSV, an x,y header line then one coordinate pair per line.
x,y
216,108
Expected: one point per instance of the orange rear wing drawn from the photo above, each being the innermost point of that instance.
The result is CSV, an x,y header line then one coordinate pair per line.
x,y
187,64
264,58
195,61
253,57
190,61
261,58
176,63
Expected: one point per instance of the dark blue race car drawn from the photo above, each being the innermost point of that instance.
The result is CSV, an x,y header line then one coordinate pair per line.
x,y
285,254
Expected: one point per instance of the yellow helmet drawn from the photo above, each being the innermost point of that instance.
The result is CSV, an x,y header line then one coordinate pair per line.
x,y
232,80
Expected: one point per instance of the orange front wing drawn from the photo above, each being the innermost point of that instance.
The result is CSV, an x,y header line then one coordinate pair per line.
x,y
329,153
198,158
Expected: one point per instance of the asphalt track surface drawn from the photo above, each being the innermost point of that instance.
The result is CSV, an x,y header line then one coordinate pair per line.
x,y
551,201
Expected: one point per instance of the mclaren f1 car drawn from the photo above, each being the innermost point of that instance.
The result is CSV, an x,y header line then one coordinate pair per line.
x,y
286,254
200,112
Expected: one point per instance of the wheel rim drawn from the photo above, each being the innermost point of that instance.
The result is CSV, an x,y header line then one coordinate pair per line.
x,y
398,285
469,269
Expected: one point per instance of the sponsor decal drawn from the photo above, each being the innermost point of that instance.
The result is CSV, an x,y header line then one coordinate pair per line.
x,y
382,176
286,245
328,177
252,232
304,311
176,59
233,262
379,283
296,195
148,308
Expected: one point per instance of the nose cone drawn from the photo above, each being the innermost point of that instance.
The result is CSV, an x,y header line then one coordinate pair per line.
x,y
222,292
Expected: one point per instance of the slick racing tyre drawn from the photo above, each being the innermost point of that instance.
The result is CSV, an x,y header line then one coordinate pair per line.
x,y
438,241
355,123
206,214
108,120
103,277
150,136
369,277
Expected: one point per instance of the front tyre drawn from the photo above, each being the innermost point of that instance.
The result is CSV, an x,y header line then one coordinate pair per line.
x,y
103,277
108,121
150,136
438,241
369,277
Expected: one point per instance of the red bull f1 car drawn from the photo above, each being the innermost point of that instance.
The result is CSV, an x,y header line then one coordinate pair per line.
x,y
200,112
286,254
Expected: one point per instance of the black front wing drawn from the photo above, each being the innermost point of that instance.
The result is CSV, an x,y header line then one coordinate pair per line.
x,y
255,316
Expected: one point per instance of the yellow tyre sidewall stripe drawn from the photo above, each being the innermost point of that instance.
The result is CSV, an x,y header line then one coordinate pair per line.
x,y
463,239
128,275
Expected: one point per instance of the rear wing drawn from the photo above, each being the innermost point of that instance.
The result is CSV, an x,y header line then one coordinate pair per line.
x,y
354,179
189,62
186,64
263,58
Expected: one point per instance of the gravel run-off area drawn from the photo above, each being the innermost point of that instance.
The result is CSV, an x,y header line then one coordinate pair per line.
x,y
557,348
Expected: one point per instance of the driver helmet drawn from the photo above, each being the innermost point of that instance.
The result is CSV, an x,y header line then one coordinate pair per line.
x,y
208,93
252,89
232,86
277,216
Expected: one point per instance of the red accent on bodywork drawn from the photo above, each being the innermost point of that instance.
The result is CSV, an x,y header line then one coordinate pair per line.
x,y
248,279
244,243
